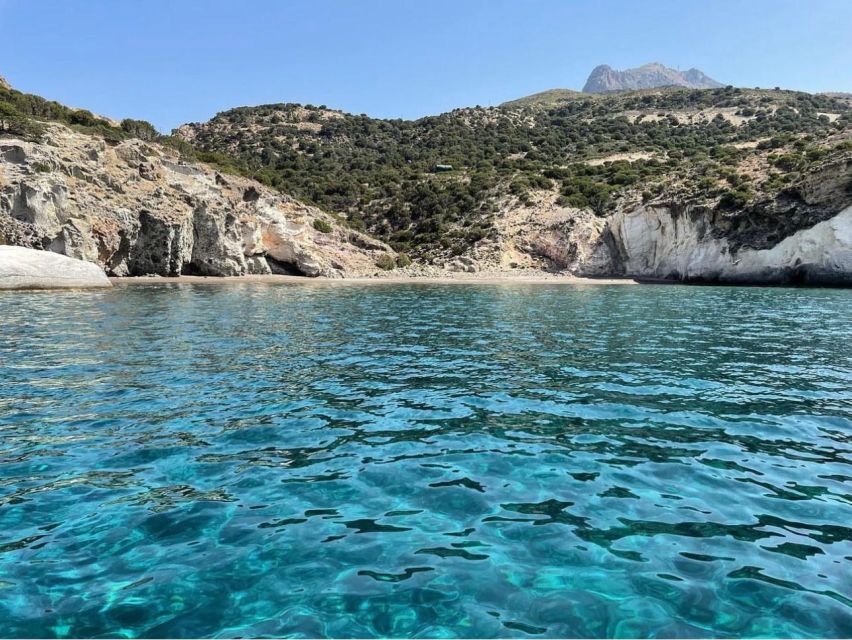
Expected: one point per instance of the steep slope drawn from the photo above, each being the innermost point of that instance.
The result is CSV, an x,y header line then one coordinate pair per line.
x,y
605,79
138,207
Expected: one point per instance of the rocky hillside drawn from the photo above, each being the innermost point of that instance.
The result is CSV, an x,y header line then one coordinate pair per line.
x,y
720,184
137,207
605,79
534,182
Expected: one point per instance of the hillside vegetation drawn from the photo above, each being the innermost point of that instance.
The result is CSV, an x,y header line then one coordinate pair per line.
x,y
432,187
435,187
25,114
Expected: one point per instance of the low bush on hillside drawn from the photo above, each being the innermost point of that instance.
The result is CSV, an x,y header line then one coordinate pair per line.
x,y
322,226
385,262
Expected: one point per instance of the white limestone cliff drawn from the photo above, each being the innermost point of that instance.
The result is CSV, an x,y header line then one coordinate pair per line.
x,y
136,209
656,243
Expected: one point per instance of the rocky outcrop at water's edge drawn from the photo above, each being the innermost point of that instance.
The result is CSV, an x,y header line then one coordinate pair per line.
x,y
22,268
136,209
661,243
801,236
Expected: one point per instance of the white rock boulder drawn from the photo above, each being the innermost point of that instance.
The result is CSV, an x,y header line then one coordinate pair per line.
x,y
22,268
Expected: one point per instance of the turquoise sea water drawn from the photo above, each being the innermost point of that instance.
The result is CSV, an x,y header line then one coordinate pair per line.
x,y
426,460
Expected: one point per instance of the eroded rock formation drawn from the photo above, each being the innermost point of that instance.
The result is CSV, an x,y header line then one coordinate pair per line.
x,y
661,243
136,209
801,236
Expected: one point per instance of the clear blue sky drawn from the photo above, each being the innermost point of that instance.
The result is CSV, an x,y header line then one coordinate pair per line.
x,y
175,61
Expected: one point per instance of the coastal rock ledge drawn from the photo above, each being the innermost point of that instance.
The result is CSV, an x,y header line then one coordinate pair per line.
x,y
22,268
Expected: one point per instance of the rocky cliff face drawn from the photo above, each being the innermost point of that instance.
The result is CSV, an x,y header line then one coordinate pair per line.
x,y
604,79
670,244
764,197
136,209
801,236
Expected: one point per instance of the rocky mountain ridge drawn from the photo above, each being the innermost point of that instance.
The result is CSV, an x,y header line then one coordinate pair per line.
x,y
605,79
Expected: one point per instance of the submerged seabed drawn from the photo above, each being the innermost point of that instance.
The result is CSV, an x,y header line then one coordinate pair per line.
x,y
426,460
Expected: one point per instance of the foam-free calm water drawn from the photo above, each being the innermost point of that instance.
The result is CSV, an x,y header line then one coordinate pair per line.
x,y
373,460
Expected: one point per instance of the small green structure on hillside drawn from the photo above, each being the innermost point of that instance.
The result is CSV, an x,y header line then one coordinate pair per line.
x,y
440,168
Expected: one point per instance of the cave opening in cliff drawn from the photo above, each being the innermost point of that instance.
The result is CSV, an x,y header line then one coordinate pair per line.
x,y
798,276
191,269
281,268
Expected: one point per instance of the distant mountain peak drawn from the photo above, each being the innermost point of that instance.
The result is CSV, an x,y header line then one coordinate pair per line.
x,y
604,79
4,84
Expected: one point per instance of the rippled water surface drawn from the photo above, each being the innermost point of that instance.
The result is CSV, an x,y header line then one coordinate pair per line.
x,y
426,460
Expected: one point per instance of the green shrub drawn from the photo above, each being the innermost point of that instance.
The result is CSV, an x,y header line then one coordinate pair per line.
x,y
402,260
322,226
815,153
385,262
139,129
787,161
774,182
706,183
736,199
14,122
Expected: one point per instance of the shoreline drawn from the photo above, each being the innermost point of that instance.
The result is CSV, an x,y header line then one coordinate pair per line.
x,y
449,279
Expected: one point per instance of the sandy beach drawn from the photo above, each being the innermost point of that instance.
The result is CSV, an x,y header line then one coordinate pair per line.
x,y
461,278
